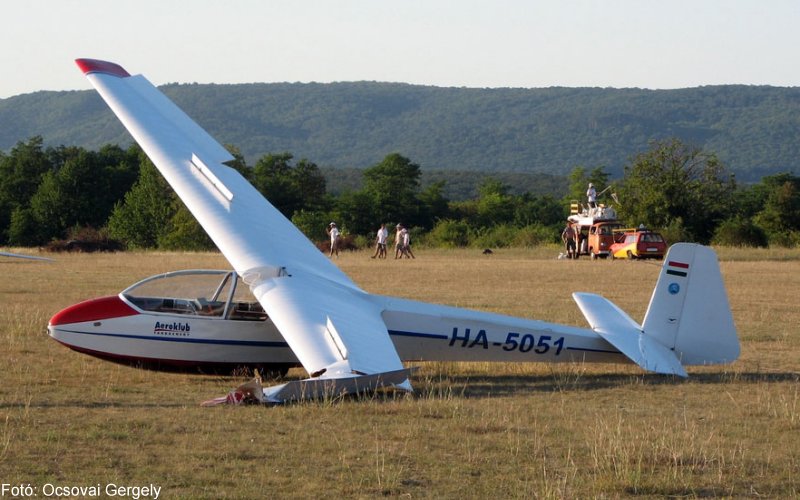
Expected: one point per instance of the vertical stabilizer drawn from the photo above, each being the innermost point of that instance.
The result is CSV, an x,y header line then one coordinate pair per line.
x,y
689,311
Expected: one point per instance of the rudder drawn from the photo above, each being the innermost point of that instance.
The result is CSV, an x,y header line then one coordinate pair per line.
x,y
689,310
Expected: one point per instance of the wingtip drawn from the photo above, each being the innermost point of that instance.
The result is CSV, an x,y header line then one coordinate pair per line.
x,y
98,66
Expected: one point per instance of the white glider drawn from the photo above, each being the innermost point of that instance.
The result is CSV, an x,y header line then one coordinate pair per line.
x,y
348,339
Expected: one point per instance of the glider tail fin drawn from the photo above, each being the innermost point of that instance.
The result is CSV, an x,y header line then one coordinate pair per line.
x,y
688,322
689,311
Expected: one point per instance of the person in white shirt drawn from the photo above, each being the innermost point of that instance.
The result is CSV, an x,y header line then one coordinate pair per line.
x,y
380,242
591,194
398,241
333,232
407,244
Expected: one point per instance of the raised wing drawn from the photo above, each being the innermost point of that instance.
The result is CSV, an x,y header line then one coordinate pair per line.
x,y
324,317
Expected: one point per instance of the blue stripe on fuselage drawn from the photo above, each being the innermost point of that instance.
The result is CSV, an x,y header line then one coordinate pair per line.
x,y
253,343
400,333
435,336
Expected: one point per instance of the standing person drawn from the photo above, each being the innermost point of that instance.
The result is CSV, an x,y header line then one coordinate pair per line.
x,y
407,244
580,239
380,242
591,195
398,241
333,232
568,237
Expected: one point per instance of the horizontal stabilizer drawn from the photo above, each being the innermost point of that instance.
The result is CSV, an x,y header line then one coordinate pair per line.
x,y
619,330
317,388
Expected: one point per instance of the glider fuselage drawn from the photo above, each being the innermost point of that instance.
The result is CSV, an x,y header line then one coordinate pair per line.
x,y
188,331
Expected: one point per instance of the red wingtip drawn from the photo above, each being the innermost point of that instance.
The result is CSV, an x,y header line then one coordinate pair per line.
x,y
98,66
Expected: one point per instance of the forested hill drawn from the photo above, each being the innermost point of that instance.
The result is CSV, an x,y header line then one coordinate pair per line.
x,y
753,129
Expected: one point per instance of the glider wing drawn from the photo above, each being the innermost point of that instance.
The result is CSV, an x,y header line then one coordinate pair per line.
x,y
329,323
23,256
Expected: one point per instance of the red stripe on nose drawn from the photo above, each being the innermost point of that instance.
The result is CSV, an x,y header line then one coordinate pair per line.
x,y
93,310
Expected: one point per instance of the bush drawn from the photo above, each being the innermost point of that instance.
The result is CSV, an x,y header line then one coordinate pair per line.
x,y
739,233
507,235
535,235
360,241
499,236
786,239
449,233
674,232
85,239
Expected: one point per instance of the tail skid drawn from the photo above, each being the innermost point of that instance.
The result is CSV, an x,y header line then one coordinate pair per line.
x,y
688,321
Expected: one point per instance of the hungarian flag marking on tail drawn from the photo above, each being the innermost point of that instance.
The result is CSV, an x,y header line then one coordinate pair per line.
x,y
676,268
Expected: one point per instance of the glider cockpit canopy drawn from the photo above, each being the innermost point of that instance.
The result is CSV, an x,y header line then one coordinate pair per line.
x,y
197,292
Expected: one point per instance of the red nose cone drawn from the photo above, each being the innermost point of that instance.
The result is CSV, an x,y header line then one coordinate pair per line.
x,y
93,310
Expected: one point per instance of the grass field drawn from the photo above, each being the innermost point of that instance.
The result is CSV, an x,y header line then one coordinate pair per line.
x,y
470,431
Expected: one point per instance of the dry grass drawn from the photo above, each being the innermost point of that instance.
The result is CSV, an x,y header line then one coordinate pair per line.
x,y
471,430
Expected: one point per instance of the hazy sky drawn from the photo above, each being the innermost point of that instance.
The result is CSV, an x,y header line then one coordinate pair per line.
x,y
471,43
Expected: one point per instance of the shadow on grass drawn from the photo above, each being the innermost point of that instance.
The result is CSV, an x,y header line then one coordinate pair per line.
x,y
454,386
482,386
92,405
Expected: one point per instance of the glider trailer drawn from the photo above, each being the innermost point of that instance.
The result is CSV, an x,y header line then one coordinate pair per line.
x,y
285,304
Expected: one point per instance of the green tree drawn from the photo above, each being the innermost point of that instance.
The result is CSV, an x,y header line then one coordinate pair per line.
x,y
21,172
81,190
673,182
579,182
271,176
290,188
312,186
24,230
183,232
780,213
495,205
433,205
356,213
393,185
141,220
543,210
238,163
313,223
